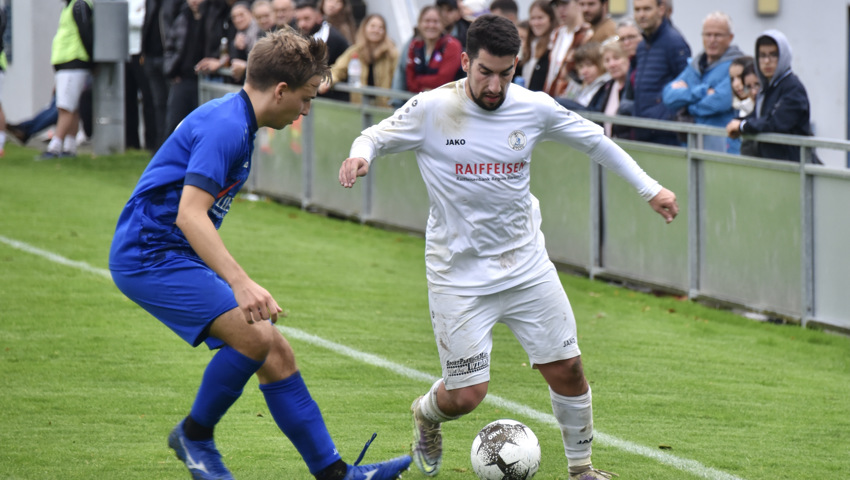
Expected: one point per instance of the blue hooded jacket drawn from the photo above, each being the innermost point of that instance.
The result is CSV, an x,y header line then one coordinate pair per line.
x,y
715,109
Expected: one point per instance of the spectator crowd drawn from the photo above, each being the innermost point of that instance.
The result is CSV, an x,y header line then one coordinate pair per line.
x,y
640,66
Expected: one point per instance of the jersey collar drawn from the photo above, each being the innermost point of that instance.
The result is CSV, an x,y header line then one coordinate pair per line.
x,y
251,115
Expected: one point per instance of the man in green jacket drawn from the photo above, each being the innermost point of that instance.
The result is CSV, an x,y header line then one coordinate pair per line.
x,y
71,58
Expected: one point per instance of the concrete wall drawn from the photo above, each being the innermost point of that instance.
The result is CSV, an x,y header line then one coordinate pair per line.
x,y
29,78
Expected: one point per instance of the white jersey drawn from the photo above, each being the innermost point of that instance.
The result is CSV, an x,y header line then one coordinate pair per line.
x,y
483,234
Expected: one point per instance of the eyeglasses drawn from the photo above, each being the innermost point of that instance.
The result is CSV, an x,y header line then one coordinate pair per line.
x,y
610,40
629,38
714,35
769,56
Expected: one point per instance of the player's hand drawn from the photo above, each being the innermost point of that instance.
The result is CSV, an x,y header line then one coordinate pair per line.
x,y
664,202
255,302
351,169
733,128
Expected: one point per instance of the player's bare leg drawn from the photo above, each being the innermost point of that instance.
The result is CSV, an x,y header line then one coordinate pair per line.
x,y
573,409
429,411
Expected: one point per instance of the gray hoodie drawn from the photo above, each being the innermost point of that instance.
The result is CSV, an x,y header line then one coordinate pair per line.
x,y
783,64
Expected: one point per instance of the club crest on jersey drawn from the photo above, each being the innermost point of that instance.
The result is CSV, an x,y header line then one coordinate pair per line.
x,y
517,140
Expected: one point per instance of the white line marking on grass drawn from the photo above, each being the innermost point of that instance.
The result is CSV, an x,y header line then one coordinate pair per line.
x,y
54,257
690,466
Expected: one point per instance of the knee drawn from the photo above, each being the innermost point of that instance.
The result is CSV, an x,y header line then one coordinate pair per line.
x,y
465,400
565,377
279,362
259,343
572,372
573,369
563,371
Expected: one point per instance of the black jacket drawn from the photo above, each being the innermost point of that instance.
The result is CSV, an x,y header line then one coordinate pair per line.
x,y
782,105
185,43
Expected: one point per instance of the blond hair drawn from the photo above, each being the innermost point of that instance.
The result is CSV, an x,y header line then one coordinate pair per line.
x,y
286,56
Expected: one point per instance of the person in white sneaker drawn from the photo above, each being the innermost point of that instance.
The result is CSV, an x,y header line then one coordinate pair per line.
x,y
485,256
71,57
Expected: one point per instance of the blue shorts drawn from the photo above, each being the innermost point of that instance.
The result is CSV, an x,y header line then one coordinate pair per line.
x,y
181,292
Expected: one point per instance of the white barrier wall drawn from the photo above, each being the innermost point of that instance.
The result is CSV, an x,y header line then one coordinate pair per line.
x,y
29,77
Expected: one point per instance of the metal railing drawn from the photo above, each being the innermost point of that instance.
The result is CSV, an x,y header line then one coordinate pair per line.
x,y
768,236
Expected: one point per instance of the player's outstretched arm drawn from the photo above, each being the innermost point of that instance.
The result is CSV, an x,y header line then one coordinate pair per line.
x,y
255,302
664,202
351,169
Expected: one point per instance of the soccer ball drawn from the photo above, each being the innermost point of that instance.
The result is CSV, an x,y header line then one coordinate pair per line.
x,y
505,450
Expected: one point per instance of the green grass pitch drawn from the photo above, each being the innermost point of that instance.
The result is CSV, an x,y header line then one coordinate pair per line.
x,y
91,384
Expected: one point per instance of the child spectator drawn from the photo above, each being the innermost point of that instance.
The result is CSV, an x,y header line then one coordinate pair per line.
x,y
742,102
591,72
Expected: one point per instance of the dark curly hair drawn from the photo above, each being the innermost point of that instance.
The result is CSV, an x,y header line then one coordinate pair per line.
x,y
496,35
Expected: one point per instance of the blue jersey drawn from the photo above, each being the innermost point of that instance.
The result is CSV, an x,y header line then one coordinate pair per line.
x,y
211,149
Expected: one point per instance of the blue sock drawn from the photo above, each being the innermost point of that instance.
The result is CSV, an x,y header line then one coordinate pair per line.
x,y
225,377
299,418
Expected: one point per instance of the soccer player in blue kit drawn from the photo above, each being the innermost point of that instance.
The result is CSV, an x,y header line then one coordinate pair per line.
x,y
168,257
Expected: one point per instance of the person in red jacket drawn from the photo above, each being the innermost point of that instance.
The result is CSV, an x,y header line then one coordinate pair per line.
x,y
433,58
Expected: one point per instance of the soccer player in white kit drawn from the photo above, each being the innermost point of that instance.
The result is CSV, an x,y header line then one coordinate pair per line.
x,y
485,257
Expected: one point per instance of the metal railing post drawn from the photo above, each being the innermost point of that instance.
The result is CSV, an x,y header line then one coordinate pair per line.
x,y
695,216
368,180
308,149
807,256
597,216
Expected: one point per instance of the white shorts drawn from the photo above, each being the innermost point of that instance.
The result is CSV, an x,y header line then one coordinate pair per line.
x,y
69,88
538,313
2,81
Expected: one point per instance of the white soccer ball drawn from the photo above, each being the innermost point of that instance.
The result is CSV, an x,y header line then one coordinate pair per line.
x,y
505,450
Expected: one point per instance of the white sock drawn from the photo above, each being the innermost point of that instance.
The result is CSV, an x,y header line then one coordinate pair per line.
x,y
55,145
575,417
70,144
428,406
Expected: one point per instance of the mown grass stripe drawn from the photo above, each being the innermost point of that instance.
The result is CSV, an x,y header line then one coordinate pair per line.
x,y
683,464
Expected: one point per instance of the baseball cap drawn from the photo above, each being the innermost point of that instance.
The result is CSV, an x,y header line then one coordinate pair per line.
x,y
450,3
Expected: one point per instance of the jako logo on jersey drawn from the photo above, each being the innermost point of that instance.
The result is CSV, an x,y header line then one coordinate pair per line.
x,y
452,141
517,140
